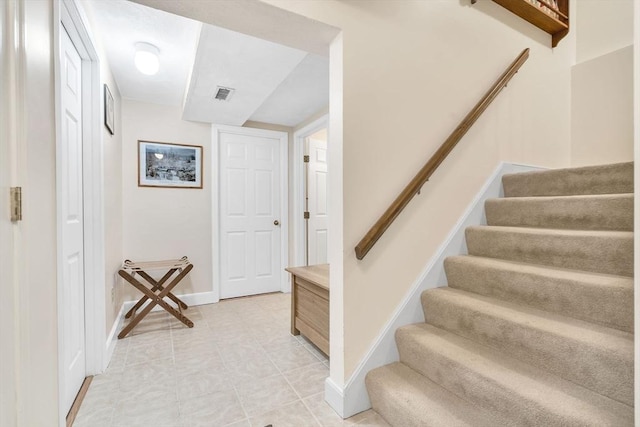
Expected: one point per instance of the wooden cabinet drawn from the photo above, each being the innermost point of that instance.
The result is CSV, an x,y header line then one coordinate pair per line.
x,y
310,304
543,14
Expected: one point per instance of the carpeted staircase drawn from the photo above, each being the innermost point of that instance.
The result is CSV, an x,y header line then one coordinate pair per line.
x,y
536,325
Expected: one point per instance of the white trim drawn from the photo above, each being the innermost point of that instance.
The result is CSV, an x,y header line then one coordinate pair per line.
x,y
283,137
112,339
383,350
299,235
70,14
334,396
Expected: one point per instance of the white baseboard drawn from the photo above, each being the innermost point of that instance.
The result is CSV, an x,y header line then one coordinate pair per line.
x,y
191,300
112,339
334,396
200,298
384,351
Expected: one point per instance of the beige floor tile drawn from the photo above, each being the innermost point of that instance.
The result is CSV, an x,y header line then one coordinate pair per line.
x,y
374,420
251,369
308,380
191,362
242,350
266,394
132,413
154,371
94,417
325,413
297,357
149,351
158,390
203,344
142,338
217,409
243,423
292,415
277,340
201,383
239,361
316,352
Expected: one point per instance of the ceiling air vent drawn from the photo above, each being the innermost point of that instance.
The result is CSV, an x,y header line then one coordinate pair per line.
x,y
224,93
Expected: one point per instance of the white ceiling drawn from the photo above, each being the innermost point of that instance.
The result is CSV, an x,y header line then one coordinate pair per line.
x,y
274,83
121,24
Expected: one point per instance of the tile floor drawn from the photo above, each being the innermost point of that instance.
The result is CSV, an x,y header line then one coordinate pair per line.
x,y
238,366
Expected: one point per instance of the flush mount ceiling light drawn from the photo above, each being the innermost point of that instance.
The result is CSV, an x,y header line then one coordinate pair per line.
x,y
146,58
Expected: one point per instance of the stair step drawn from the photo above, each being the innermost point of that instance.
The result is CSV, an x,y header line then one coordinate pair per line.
x,y
599,298
606,179
594,212
404,396
608,252
593,356
502,385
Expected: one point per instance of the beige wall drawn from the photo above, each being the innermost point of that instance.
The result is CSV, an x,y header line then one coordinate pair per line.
x,y
602,83
602,26
412,70
165,223
602,109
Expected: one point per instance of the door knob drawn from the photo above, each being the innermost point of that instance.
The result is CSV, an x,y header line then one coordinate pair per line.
x,y
276,222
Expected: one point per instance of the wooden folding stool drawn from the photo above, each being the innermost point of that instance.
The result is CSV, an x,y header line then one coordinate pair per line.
x,y
157,292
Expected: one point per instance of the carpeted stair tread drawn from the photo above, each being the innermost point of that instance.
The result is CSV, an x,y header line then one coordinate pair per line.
x,y
503,385
606,179
409,399
590,355
586,212
599,298
608,252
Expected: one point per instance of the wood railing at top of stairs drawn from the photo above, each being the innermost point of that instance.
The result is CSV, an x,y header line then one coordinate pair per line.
x,y
378,229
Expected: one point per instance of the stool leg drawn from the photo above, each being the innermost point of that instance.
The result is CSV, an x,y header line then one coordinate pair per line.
x,y
154,284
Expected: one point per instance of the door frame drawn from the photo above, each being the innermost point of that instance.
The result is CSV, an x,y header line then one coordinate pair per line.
x,y
69,13
299,234
283,138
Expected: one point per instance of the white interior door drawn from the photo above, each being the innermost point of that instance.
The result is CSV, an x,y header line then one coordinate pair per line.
x,y
72,221
250,212
317,225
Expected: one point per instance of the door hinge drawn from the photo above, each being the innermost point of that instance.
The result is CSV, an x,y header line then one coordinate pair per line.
x,y
16,204
306,159
306,215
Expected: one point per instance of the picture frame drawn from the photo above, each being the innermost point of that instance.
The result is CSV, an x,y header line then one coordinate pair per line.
x,y
169,165
109,110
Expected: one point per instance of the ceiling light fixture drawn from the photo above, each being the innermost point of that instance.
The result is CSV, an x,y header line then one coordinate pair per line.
x,y
146,58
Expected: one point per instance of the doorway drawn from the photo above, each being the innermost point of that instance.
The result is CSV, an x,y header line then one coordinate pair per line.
x,y
311,223
251,213
80,247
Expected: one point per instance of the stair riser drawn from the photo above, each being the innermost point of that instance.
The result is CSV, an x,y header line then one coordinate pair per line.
x,y
594,252
523,406
594,367
586,213
609,304
609,179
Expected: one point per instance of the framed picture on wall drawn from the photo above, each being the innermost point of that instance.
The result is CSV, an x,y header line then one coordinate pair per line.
x,y
109,107
162,164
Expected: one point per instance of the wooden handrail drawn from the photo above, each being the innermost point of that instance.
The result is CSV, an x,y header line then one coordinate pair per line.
x,y
378,229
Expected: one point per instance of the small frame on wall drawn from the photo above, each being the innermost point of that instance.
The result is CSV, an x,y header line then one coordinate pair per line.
x,y
162,164
109,107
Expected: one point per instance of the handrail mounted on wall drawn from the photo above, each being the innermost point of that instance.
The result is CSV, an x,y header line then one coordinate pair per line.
x,y
378,229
